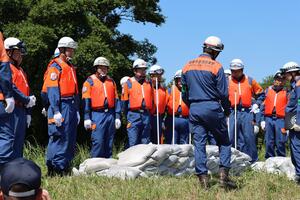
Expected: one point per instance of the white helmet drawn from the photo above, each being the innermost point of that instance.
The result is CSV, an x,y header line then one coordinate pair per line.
x,y
227,71
278,74
213,43
178,74
101,61
14,43
236,64
67,42
124,80
56,52
156,69
139,63
290,67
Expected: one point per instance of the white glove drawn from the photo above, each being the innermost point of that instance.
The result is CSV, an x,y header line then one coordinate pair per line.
x,y
255,109
256,129
263,125
117,123
87,124
10,104
32,101
57,119
296,127
44,112
78,118
28,120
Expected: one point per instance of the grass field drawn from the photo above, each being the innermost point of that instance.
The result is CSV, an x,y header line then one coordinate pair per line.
x,y
252,185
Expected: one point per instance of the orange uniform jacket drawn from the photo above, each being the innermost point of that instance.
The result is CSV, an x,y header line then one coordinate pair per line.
x,y
162,100
5,73
65,78
98,91
178,102
244,91
135,94
275,100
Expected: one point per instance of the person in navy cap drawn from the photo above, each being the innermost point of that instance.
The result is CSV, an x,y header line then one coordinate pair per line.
x,y
21,179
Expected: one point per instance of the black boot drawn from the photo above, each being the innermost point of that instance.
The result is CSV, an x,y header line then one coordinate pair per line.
x,y
204,181
50,172
224,180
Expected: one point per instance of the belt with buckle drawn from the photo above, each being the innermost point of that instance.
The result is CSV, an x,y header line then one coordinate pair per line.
x,y
181,116
139,110
101,110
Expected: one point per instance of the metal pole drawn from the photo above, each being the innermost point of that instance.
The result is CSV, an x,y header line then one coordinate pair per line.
x,y
173,114
157,111
235,122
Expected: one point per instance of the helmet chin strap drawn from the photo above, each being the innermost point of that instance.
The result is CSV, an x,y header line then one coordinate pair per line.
x,y
15,62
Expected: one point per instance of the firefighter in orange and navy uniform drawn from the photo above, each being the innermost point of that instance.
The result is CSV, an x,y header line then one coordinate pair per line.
x,y
137,104
156,72
45,101
63,111
273,119
101,109
23,101
205,91
241,89
181,131
7,105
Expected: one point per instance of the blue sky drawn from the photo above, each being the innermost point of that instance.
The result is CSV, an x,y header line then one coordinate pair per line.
x,y
264,34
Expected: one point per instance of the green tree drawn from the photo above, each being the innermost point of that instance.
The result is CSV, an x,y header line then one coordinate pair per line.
x,y
93,23
267,81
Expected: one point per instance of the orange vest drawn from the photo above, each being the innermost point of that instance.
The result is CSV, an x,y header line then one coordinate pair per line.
x,y
138,93
44,88
277,101
100,91
3,57
178,102
243,91
68,80
162,100
20,80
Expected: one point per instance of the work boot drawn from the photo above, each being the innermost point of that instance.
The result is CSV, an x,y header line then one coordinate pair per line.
x,y
203,179
224,180
50,172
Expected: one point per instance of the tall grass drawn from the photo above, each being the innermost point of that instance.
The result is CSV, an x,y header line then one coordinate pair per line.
x,y
252,185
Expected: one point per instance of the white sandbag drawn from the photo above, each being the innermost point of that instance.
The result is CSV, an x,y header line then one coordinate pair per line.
x,y
235,151
191,162
163,170
213,162
151,170
186,150
212,150
120,172
181,173
258,166
136,155
183,161
149,162
75,172
92,165
163,151
170,161
242,158
175,149
288,168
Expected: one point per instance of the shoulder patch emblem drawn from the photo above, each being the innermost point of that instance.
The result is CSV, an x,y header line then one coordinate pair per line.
x,y
84,89
53,76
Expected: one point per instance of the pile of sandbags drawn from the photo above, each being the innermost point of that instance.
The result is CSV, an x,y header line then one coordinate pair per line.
x,y
276,165
150,160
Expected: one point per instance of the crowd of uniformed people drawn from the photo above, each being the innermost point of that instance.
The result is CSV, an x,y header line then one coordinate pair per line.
x,y
204,103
